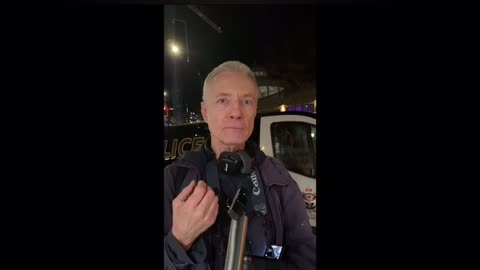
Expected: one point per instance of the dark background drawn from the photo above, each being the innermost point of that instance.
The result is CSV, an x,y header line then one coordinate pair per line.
x,y
83,129
282,37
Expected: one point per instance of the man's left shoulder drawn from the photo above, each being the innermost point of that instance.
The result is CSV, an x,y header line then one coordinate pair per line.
x,y
275,171
275,162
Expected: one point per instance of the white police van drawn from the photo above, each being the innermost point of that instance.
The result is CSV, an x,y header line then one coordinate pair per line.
x,y
288,136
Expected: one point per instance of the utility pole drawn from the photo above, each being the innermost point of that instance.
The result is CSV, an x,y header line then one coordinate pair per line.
x,y
177,86
176,90
186,36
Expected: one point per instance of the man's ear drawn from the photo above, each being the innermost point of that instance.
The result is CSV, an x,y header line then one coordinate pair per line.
x,y
204,112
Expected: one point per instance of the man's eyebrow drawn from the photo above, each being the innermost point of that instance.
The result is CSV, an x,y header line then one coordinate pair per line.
x,y
248,95
222,94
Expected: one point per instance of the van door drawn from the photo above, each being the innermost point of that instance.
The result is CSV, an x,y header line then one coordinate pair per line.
x,y
292,139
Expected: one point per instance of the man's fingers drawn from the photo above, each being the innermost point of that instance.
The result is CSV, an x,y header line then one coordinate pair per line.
x,y
214,206
198,193
186,191
207,200
213,210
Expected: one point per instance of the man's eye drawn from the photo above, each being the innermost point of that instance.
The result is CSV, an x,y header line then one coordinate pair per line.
x,y
247,102
221,100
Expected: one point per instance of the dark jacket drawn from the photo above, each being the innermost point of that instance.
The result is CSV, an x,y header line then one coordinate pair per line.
x,y
291,228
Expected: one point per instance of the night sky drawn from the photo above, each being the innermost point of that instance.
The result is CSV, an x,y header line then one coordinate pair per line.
x,y
279,36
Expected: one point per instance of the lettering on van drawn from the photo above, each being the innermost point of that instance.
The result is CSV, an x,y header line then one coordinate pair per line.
x,y
174,149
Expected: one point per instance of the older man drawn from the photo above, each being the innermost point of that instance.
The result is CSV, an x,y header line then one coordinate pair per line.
x,y
196,223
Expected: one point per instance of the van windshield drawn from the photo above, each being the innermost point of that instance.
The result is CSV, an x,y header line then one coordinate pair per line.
x,y
294,143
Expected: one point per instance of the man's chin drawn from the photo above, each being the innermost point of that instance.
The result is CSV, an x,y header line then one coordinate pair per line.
x,y
231,142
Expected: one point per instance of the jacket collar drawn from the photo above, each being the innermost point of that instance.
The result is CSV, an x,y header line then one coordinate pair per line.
x,y
272,170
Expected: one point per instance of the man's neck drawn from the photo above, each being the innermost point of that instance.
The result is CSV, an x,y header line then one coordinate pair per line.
x,y
219,147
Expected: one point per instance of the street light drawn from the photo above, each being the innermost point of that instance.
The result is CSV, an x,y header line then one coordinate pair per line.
x,y
175,49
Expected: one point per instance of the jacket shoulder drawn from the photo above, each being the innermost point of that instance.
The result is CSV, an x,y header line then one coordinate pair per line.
x,y
189,167
275,172
175,174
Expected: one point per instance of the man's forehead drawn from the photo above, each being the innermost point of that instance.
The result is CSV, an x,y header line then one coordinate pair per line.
x,y
230,83
227,83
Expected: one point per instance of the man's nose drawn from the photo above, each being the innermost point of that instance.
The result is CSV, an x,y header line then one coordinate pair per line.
x,y
236,111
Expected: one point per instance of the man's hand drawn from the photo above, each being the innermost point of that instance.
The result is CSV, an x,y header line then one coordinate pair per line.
x,y
195,209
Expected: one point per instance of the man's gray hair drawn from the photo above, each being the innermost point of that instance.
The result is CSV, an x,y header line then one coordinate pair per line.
x,y
229,66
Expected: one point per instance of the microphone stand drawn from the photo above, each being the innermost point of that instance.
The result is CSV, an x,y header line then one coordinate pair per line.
x,y
238,232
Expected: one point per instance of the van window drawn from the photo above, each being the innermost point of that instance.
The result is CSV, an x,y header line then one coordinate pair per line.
x,y
295,145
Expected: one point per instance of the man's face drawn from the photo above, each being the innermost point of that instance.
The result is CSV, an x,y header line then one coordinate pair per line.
x,y
230,107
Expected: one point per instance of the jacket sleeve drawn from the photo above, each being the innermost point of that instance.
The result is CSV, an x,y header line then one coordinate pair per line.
x,y
300,242
174,256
